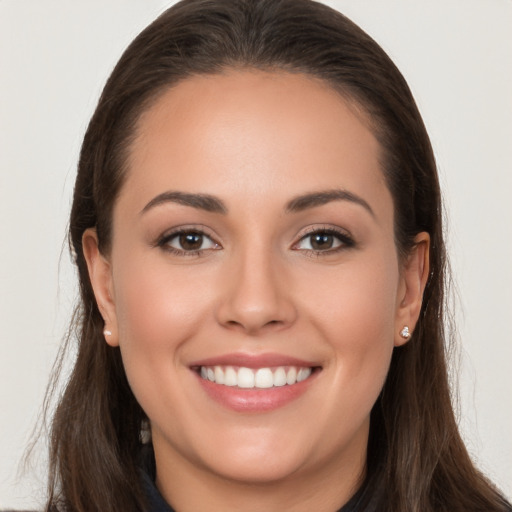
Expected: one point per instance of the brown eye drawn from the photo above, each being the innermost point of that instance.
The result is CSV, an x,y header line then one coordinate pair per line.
x,y
324,241
190,241
321,241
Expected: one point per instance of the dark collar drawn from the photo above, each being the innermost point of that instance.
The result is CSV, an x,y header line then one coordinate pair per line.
x,y
155,500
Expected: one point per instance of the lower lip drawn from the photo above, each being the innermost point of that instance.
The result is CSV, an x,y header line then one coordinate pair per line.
x,y
255,399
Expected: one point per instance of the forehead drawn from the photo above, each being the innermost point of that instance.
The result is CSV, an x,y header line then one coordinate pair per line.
x,y
255,133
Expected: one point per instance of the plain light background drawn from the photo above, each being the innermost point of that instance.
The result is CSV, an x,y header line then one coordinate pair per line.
x,y
55,56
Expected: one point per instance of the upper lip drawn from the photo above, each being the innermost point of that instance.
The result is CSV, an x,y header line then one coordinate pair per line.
x,y
267,360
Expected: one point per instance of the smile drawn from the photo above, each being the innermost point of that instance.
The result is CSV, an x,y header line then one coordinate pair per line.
x,y
255,383
260,378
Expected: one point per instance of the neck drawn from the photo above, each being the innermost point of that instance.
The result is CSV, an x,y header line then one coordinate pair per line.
x,y
323,487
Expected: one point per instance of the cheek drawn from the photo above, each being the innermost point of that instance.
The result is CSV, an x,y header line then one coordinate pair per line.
x,y
356,314
158,308
357,302
155,299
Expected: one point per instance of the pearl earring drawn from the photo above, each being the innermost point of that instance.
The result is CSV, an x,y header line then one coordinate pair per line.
x,y
106,332
405,332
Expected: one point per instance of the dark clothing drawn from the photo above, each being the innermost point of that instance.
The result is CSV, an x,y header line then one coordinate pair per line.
x,y
155,501
158,504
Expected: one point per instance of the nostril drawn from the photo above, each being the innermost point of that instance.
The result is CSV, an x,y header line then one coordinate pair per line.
x,y
254,327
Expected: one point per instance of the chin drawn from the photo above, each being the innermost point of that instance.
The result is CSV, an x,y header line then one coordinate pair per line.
x,y
257,470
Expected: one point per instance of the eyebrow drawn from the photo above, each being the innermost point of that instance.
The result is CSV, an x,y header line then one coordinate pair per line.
x,y
320,198
298,204
200,201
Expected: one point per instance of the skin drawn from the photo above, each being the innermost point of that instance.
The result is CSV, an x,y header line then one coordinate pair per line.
x,y
256,141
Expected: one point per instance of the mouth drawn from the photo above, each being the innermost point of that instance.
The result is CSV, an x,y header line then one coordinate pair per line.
x,y
255,378
255,383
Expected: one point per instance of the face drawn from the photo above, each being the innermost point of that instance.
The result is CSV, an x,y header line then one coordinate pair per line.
x,y
253,283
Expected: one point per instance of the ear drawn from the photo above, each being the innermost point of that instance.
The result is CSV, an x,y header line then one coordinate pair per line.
x,y
413,279
100,275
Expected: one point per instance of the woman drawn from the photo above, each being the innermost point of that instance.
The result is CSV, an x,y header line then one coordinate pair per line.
x,y
256,224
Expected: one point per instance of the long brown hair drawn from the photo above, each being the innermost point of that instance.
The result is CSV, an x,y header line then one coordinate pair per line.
x,y
416,459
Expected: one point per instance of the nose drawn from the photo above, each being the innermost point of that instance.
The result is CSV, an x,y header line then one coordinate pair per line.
x,y
257,296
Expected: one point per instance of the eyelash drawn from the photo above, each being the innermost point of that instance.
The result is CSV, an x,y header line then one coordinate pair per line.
x,y
164,241
344,239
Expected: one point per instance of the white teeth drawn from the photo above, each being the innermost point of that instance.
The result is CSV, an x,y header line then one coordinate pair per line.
x,y
303,374
261,378
230,376
219,375
279,377
245,378
264,378
291,376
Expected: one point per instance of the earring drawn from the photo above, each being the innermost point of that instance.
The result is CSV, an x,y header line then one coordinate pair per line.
x,y
405,332
145,432
106,332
